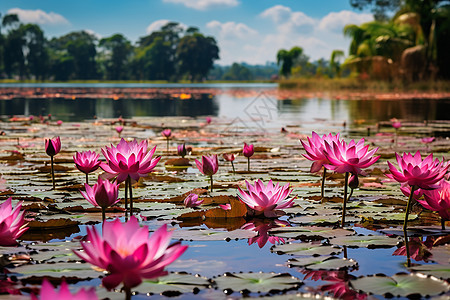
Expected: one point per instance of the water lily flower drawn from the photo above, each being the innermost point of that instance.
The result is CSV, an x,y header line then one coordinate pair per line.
x,y
128,254
417,173
225,206
12,223
267,200
208,120
209,166
48,292
52,147
167,133
86,162
59,122
129,160
349,158
181,149
427,140
438,200
192,201
315,153
396,124
103,194
119,129
230,157
248,151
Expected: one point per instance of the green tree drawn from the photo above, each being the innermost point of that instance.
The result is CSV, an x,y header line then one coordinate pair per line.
x,y
237,72
35,49
154,61
195,55
334,62
117,52
287,59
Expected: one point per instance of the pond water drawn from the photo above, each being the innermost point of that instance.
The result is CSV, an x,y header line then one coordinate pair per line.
x,y
306,243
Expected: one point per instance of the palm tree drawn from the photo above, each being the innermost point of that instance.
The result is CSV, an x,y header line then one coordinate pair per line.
x,y
334,63
287,59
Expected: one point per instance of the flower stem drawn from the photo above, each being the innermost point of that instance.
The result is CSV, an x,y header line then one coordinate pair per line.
x,y
232,165
126,199
127,293
248,164
405,224
442,223
87,178
345,200
211,178
322,191
167,144
131,195
103,214
53,172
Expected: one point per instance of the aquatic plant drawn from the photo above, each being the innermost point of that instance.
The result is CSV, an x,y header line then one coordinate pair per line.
x,y
438,200
48,292
230,157
349,158
52,147
128,254
192,201
181,150
315,152
266,200
248,152
12,223
127,161
167,133
119,129
86,162
209,166
103,194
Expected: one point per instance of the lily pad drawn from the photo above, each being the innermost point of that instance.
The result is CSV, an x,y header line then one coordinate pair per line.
x,y
79,270
401,285
174,282
212,235
309,232
323,263
368,241
439,271
305,249
257,282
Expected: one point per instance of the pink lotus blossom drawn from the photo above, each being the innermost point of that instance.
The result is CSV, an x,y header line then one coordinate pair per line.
x,y
86,161
229,156
119,129
103,193
166,133
208,120
406,190
181,149
129,159
225,206
396,124
315,149
248,150
438,200
424,174
53,146
12,223
192,201
266,200
48,292
59,122
127,252
209,165
351,157
427,140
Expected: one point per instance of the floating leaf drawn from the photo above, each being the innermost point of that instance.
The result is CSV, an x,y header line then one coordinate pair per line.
x,y
439,271
174,282
310,232
80,270
369,241
257,282
305,249
211,235
323,263
401,285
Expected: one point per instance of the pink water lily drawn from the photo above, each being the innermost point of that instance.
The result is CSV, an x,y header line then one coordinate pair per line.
x,y
248,152
438,200
192,201
52,147
208,166
119,129
349,158
268,200
12,223
48,292
128,254
86,162
103,194
181,149
315,153
230,157
129,160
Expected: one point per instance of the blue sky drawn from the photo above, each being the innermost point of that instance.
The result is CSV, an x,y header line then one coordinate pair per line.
x,y
249,31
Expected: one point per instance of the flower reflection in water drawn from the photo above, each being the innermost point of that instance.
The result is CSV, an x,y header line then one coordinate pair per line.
x,y
262,227
418,249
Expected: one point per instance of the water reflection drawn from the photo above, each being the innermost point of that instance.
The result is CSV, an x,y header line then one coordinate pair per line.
x,y
262,227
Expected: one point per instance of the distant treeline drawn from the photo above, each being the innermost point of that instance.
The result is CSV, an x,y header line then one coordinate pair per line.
x,y
172,53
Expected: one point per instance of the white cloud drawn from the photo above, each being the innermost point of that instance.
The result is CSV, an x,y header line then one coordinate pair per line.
x,y
289,21
39,17
92,32
277,13
157,25
231,30
335,21
205,4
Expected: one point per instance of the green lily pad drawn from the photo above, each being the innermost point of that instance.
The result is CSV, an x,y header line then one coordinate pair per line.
x,y
212,235
174,282
80,270
401,285
368,241
441,254
305,249
257,282
323,263
309,232
439,271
